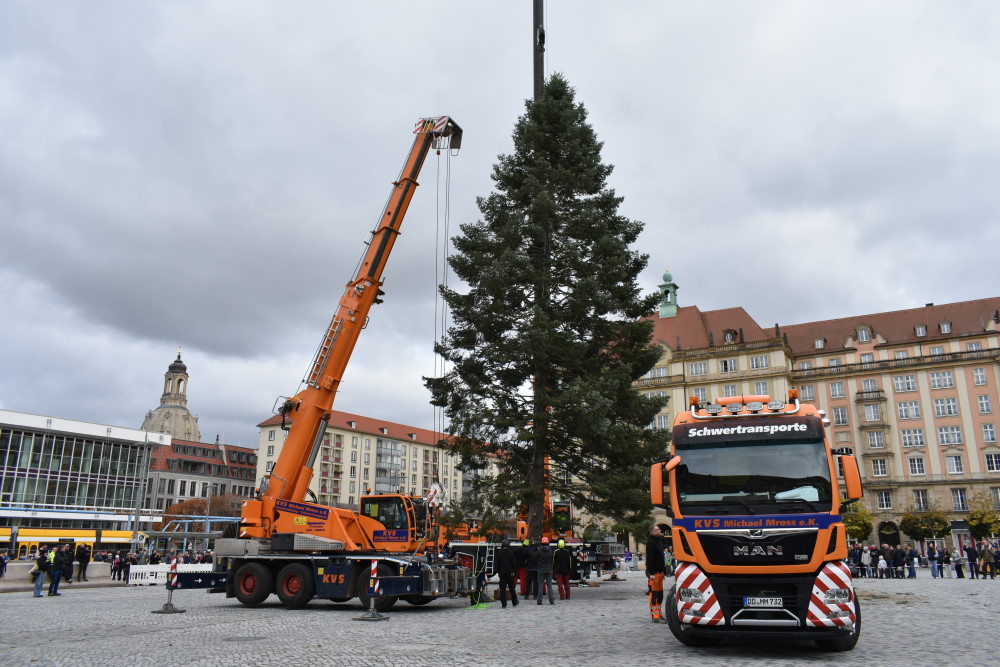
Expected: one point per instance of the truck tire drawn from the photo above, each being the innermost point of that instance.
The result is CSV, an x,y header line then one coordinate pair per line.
x,y
848,641
680,629
382,602
296,585
254,584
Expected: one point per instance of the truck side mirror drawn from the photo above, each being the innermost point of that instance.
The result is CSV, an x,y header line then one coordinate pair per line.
x,y
852,478
656,486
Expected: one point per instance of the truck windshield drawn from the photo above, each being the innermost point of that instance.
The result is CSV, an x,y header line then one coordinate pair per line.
x,y
740,478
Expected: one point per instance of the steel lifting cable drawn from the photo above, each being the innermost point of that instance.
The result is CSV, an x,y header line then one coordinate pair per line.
x,y
442,245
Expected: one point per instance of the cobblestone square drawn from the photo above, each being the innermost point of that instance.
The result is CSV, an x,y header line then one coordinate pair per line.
x,y
911,622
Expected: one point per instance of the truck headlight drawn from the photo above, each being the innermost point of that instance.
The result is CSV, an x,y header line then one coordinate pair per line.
x,y
691,595
838,595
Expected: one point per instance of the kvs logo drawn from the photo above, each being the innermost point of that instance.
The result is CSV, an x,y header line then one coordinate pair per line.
x,y
707,523
333,578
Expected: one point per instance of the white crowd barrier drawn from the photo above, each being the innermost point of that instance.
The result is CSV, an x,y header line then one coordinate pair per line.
x,y
147,575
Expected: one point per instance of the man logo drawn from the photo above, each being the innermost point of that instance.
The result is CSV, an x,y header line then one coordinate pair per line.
x,y
757,550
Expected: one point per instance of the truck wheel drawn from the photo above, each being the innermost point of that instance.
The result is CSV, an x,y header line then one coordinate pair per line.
x,y
254,584
679,629
295,586
418,600
382,602
848,641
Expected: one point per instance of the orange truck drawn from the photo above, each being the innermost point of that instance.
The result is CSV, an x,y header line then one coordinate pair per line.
x,y
754,493
299,550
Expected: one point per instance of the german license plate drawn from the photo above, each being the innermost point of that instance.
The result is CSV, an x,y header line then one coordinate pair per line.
x,y
761,602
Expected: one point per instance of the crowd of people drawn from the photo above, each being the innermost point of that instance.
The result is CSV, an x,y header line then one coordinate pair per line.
x,y
902,561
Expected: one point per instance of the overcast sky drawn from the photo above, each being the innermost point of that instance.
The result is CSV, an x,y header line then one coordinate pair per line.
x,y
205,174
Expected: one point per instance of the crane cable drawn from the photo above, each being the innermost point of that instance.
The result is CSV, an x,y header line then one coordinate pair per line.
x,y
441,272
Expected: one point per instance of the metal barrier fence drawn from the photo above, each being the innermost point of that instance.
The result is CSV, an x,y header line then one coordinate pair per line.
x,y
147,575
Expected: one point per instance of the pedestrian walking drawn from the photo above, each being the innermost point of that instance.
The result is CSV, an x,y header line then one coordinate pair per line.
x,y
562,563
545,583
532,565
83,558
59,560
42,566
655,567
506,565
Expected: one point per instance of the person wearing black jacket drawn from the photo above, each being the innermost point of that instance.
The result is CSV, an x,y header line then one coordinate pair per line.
x,y
58,565
521,566
545,572
506,565
83,558
562,562
42,563
532,563
655,568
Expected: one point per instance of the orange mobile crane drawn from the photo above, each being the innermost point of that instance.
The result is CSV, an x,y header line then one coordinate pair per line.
x,y
300,550
754,493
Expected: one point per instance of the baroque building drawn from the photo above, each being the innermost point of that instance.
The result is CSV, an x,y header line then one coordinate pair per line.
x,y
172,416
911,392
361,455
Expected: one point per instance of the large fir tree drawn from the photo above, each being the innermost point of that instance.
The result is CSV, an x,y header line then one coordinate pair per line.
x,y
547,341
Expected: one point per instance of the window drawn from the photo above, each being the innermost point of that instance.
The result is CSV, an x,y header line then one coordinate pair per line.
x,y
820,343
354,457
945,327
902,354
354,472
269,466
729,336
867,358
701,394
808,392
973,347
354,441
270,450
916,466
884,499
869,384
873,413
905,382
759,361
368,443
864,335
908,409
805,365
942,380
835,362
959,502
945,407
920,498
937,350
876,439
954,464
366,473
912,437
728,365
182,488
949,435
698,368
840,416
353,487
985,406
368,458
761,388
729,390
995,493
836,390
921,330
270,435
989,433
979,376
993,463
879,468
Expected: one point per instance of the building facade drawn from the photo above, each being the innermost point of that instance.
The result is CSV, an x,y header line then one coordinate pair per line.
x,y
187,470
61,473
360,453
912,392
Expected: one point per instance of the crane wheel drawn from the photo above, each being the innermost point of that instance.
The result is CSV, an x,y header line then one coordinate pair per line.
x,y
382,602
254,584
295,586
418,600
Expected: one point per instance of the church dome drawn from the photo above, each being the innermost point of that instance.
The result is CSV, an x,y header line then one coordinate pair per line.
x,y
178,366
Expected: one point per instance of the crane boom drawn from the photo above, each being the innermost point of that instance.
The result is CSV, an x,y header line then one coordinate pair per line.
x,y
309,409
